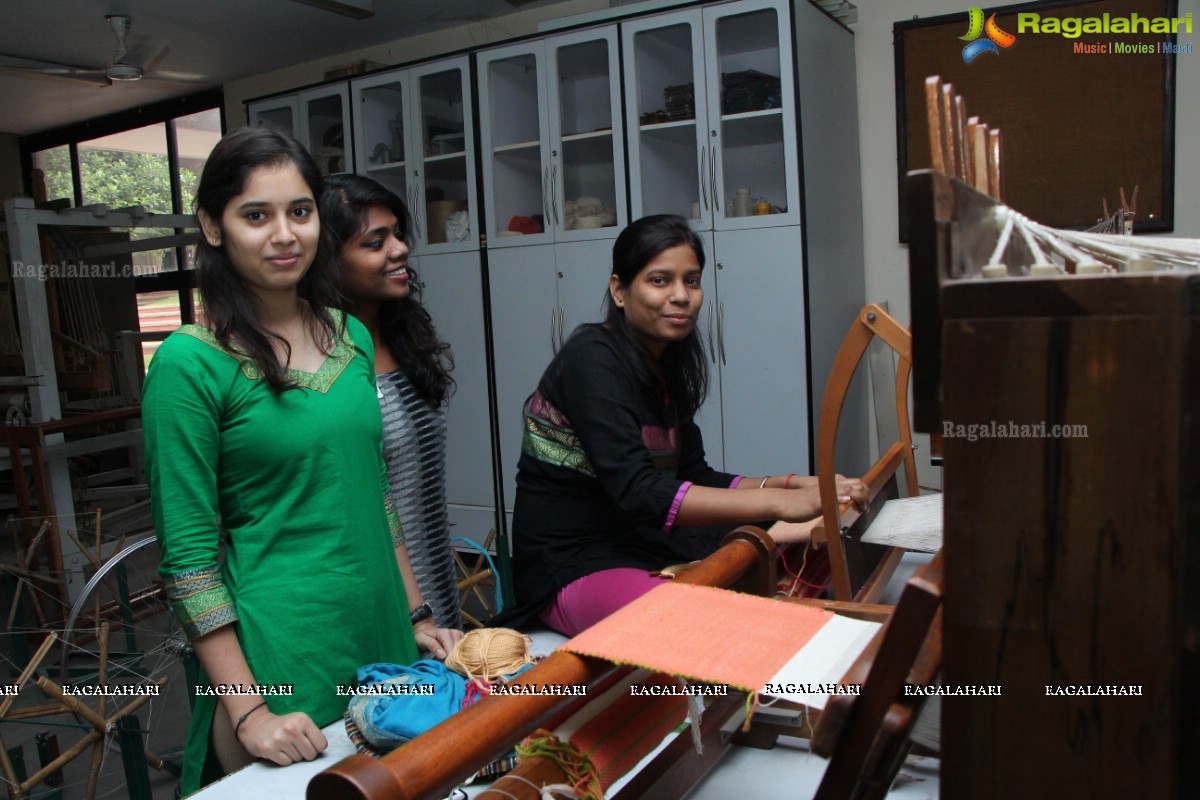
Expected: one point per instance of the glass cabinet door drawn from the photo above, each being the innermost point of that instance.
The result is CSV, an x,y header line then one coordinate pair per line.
x,y
669,153
442,171
516,167
379,116
324,126
752,119
587,164
278,113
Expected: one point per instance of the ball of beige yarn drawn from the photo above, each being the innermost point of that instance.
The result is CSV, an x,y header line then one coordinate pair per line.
x,y
488,653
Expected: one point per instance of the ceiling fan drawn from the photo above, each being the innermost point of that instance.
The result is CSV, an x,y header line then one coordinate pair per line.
x,y
119,70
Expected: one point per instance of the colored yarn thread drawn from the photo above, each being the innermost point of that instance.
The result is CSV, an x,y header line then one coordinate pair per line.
x,y
476,691
487,653
575,766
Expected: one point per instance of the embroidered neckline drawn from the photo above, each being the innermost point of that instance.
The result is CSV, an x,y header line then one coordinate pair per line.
x,y
319,381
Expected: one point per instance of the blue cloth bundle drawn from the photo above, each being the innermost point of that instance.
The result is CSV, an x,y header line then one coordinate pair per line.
x,y
398,703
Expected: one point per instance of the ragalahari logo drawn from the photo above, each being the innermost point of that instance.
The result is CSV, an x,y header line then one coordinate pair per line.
x,y
996,38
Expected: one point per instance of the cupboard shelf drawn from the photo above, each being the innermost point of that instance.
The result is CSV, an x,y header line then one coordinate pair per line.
x,y
575,137
444,157
508,148
745,115
391,166
662,126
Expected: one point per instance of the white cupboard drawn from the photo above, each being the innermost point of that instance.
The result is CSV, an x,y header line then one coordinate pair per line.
x,y
413,133
554,183
550,120
319,118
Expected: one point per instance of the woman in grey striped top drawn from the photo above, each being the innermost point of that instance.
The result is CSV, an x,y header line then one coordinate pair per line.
x,y
369,227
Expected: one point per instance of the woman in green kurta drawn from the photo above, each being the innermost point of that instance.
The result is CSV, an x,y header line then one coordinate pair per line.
x,y
264,424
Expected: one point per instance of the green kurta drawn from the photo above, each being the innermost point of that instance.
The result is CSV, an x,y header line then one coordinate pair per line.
x,y
297,483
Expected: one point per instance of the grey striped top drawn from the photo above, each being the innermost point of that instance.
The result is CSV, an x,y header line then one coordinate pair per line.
x,y
414,449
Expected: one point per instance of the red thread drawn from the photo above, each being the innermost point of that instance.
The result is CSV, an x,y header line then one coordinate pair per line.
x,y
783,560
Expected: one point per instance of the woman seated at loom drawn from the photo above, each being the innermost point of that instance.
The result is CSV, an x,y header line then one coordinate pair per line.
x,y
262,423
612,482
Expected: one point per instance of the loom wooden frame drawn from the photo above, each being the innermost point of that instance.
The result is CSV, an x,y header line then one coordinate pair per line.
x,y
838,520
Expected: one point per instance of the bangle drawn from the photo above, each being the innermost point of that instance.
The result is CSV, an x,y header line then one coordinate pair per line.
x,y
243,717
763,485
788,483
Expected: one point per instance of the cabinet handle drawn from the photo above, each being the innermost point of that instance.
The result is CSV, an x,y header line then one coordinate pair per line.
x,y
416,212
721,329
545,201
553,325
561,315
554,192
704,180
712,173
712,351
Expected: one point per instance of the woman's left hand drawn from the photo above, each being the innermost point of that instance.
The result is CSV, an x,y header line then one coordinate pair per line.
x,y
438,641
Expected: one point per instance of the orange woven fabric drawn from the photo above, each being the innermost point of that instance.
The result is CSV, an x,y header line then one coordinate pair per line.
x,y
705,634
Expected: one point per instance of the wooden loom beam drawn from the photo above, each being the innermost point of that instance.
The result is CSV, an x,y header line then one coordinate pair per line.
x,y
443,757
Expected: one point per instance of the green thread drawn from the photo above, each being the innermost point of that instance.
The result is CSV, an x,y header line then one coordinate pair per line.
x,y
578,769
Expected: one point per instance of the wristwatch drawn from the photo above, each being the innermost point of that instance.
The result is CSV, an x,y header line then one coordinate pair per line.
x,y
419,613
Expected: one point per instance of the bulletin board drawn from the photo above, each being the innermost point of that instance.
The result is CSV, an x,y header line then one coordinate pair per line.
x,y
1077,127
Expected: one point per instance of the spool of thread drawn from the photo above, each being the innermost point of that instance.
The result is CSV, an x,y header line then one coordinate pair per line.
x,y
1043,270
1139,264
992,271
1089,268
487,653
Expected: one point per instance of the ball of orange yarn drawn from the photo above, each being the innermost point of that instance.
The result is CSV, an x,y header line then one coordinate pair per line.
x,y
488,653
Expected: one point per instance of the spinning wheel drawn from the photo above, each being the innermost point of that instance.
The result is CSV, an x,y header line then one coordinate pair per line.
x,y
122,663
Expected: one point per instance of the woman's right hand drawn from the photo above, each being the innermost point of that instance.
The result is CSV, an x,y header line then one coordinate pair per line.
x,y
283,739
800,505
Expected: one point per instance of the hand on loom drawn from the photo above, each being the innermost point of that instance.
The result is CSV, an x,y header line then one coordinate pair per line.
x,y
283,739
804,504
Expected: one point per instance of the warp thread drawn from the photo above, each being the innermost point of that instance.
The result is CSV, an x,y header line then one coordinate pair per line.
x,y
487,653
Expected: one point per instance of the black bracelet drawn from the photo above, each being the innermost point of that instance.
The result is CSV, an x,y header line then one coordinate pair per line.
x,y
423,611
242,718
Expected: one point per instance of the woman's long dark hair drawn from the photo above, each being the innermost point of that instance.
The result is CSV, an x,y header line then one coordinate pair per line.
x,y
405,326
678,379
230,308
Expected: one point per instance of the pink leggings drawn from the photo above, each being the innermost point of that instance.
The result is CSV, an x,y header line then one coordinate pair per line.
x,y
584,602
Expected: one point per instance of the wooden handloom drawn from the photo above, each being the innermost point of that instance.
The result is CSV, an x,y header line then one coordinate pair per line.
x,y
1090,576
437,761
1072,555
